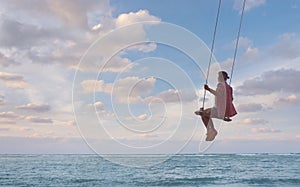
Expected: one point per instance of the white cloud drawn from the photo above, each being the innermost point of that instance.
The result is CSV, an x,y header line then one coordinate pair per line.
x,y
134,17
12,80
271,81
35,107
253,121
173,96
251,55
168,96
264,130
291,99
10,77
70,123
96,27
132,89
288,46
7,121
69,13
35,39
148,47
99,56
36,119
22,35
102,64
117,64
6,61
249,4
125,90
250,107
26,129
98,107
141,117
90,86
28,33
243,42
9,115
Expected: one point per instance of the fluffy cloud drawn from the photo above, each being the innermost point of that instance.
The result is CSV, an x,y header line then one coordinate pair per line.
x,y
42,33
134,17
29,33
288,100
125,90
251,55
99,55
264,130
132,89
10,77
288,46
271,81
141,117
22,36
11,118
253,121
148,47
35,107
9,115
36,119
249,4
12,81
68,12
70,123
250,107
23,42
173,96
90,86
6,61
98,107
243,42
117,64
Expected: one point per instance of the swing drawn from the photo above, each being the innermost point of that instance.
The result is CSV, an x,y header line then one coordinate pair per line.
x,y
201,111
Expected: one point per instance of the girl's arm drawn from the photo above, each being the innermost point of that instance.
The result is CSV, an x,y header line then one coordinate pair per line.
x,y
206,87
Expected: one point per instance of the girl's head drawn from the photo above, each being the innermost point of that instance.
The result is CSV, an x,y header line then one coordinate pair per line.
x,y
222,76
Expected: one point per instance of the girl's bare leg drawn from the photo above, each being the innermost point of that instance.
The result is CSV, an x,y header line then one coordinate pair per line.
x,y
207,121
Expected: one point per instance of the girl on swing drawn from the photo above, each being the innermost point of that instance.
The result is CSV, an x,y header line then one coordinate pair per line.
x,y
223,109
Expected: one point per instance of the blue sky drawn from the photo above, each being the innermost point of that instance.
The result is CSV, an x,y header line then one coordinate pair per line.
x,y
76,73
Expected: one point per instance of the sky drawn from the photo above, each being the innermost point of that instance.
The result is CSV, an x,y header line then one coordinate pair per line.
x,y
125,76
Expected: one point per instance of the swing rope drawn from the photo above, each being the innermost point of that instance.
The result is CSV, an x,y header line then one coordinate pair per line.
x,y
237,42
211,50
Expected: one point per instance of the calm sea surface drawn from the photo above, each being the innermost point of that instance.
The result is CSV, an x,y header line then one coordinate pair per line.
x,y
180,170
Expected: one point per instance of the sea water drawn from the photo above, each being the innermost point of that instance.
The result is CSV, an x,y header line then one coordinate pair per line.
x,y
179,170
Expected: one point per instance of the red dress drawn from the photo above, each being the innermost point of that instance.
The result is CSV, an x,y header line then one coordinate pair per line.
x,y
223,102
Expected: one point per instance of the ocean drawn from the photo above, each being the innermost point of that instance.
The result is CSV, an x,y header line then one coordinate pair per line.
x,y
179,170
